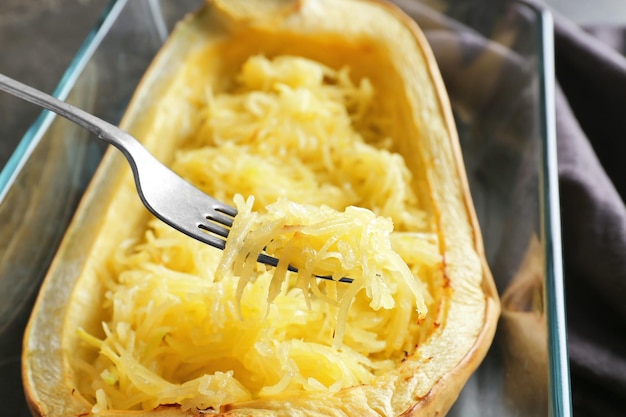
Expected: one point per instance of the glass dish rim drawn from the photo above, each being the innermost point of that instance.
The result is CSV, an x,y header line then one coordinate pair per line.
x,y
560,390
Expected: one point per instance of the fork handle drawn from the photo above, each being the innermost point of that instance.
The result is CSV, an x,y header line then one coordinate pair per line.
x,y
127,144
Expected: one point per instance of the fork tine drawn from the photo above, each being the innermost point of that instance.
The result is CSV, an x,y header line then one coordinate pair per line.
x,y
219,243
226,220
226,209
209,232
215,228
271,261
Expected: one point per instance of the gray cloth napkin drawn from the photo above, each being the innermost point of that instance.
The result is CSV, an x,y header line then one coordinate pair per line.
x,y
591,130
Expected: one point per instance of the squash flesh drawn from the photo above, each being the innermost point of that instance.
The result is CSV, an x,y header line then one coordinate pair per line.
x,y
303,340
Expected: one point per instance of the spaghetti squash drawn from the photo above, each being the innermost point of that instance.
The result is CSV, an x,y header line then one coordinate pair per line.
x,y
337,147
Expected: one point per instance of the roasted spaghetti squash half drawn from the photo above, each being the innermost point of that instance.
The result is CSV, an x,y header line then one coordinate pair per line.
x,y
326,123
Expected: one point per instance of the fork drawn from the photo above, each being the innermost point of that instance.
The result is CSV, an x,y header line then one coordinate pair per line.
x,y
165,194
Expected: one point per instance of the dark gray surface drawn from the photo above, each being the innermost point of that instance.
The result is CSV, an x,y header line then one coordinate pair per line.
x,y
38,39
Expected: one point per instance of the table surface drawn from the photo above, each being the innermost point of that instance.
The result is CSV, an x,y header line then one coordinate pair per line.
x,y
592,13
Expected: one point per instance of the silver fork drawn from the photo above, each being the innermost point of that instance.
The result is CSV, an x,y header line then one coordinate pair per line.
x,y
166,195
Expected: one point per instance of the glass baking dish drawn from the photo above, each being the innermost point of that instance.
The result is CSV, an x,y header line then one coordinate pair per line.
x,y
498,69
